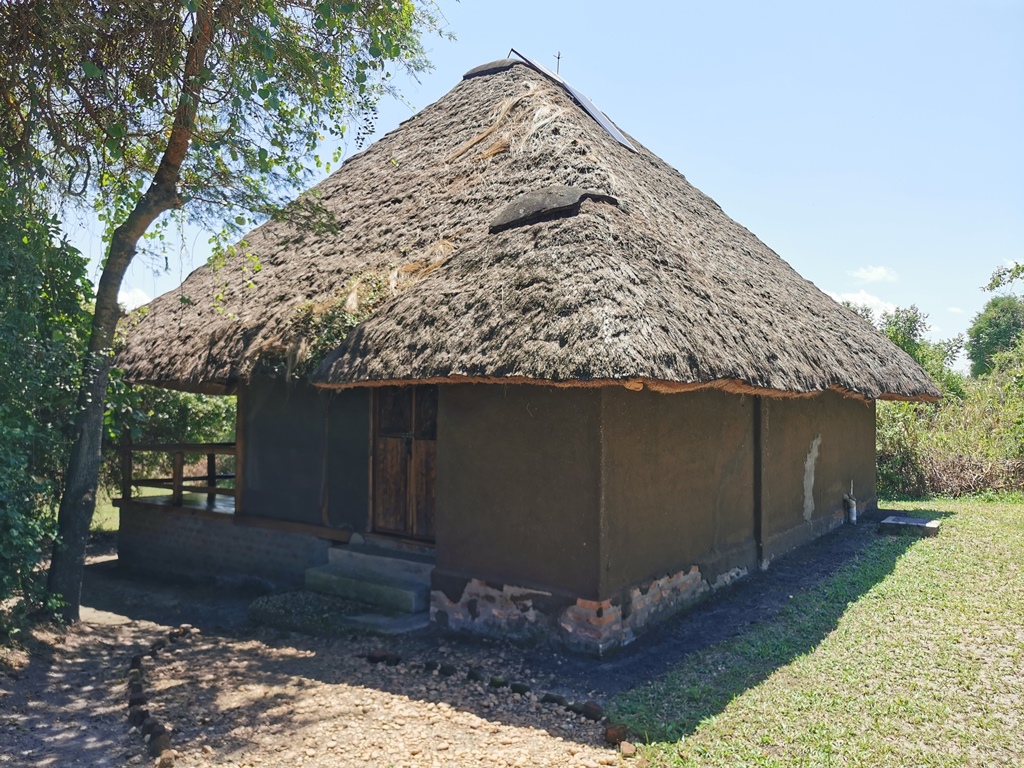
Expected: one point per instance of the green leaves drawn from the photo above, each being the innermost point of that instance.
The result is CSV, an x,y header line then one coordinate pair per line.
x,y
113,148
43,326
995,329
91,70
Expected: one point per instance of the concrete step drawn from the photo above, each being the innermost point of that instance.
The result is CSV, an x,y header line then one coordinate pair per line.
x,y
386,563
380,624
394,592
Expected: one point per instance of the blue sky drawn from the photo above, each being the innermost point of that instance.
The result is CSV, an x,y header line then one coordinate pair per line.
x,y
875,146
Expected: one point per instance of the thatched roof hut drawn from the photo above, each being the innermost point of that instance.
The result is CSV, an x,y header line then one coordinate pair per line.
x,y
503,235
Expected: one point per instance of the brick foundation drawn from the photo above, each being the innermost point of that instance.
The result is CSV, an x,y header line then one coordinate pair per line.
x,y
588,625
200,546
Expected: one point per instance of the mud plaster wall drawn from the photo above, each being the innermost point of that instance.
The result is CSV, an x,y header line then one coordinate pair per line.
x,y
287,475
518,484
812,449
678,484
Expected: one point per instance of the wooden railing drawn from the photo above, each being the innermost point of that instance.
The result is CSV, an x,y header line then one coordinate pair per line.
x,y
178,483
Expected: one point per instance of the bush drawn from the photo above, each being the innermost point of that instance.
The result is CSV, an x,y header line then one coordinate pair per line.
x,y
961,445
899,455
43,326
161,416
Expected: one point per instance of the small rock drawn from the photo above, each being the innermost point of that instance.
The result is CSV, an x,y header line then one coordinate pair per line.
x,y
627,749
615,733
520,688
441,747
592,710
207,749
137,715
149,725
554,698
498,682
447,670
136,662
392,660
136,699
159,744
377,656
166,759
476,674
158,645
430,666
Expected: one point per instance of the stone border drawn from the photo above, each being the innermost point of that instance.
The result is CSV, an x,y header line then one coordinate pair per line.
x,y
155,734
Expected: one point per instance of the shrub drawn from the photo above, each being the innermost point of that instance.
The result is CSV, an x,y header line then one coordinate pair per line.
x,y
43,323
961,445
161,416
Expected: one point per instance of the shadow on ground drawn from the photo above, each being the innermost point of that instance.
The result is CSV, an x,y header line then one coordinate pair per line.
x,y
238,683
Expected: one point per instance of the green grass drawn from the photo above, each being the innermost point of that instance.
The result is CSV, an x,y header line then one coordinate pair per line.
x,y
912,655
105,519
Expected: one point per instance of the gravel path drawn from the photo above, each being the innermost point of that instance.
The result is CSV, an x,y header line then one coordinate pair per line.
x,y
237,695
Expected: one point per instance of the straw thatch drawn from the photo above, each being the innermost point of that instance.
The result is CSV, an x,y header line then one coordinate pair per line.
x,y
641,280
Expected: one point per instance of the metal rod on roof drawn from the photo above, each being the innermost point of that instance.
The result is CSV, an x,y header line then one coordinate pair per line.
x,y
558,61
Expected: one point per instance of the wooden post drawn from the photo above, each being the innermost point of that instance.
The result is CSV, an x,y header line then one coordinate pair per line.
x,y
178,471
126,464
211,478
240,400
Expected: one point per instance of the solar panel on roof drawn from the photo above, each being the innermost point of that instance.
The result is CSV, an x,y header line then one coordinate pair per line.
x,y
582,100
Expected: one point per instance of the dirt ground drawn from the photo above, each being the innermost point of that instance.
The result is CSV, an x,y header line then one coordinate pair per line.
x,y
233,694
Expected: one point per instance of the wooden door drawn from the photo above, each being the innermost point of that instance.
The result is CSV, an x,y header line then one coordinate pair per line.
x,y
404,458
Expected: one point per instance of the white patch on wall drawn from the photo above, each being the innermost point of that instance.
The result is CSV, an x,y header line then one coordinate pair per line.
x,y
809,464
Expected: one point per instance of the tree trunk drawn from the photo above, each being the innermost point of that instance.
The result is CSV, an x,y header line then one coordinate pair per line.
x,y
79,500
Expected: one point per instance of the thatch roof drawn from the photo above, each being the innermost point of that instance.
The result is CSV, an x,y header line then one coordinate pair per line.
x,y
634,278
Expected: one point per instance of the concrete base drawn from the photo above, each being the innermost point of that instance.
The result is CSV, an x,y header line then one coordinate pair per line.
x,y
916,526
190,544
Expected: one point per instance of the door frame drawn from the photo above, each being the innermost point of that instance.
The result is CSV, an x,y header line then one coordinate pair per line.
x,y
394,540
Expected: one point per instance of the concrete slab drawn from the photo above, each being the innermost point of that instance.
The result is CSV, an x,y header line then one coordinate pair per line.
x,y
917,526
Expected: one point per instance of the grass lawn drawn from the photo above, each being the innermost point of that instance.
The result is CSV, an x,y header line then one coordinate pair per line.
x,y
105,519
912,655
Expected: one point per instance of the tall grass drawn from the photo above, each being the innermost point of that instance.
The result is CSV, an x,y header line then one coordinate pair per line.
x,y
968,443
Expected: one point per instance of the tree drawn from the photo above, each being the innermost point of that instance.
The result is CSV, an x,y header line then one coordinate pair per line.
x,y
209,107
906,328
995,329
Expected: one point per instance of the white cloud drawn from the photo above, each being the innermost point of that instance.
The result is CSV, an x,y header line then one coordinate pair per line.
x,y
131,298
874,275
955,310
862,297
